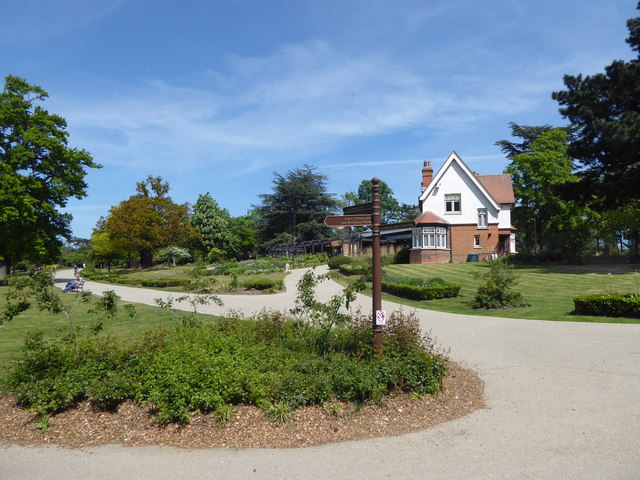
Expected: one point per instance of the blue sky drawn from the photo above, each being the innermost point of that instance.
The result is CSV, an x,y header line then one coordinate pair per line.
x,y
215,96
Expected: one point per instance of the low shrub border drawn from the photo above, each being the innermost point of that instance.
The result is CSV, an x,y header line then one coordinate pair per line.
x,y
416,292
608,305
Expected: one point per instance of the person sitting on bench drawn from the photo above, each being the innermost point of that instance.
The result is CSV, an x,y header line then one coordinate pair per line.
x,y
73,283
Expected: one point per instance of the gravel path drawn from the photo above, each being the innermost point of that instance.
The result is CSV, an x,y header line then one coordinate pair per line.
x,y
563,402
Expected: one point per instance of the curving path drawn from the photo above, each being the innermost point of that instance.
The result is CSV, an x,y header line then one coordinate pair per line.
x,y
563,402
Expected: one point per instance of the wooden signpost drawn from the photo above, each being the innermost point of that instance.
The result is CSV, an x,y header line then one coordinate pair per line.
x,y
368,215
348,221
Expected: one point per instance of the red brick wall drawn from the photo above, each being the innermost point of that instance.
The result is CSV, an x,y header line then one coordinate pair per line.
x,y
461,242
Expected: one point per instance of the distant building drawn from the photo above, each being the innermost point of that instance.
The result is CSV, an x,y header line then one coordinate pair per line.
x,y
465,216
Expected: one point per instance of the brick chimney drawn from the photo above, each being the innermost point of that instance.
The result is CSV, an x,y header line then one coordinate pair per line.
x,y
427,175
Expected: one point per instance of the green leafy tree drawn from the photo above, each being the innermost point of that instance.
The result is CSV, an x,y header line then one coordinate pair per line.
x,y
103,248
149,220
295,210
605,110
244,239
39,172
538,165
214,226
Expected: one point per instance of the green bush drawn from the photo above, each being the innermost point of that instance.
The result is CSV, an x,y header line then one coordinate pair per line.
x,y
266,361
261,283
608,305
418,292
335,262
497,288
233,271
354,269
165,282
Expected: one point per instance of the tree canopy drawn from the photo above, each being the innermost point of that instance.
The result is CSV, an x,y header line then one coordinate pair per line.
x,y
605,110
220,235
147,221
39,172
295,210
541,216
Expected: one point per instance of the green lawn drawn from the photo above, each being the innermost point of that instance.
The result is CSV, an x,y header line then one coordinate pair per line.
x,y
13,333
548,289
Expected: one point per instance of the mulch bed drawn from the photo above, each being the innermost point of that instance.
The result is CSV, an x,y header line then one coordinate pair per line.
x,y
133,425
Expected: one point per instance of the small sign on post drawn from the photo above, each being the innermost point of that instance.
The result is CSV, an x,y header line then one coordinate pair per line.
x,y
381,318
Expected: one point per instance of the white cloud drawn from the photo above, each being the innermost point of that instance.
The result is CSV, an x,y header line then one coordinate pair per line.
x,y
299,99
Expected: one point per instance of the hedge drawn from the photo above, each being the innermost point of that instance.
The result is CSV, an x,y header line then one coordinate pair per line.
x,y
608,305
416,292
261,283
335,262
354,269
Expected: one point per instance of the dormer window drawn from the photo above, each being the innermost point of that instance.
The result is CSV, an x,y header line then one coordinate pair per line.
x,y
452,203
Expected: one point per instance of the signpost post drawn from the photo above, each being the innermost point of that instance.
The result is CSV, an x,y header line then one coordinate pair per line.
x,y
377,289
368,215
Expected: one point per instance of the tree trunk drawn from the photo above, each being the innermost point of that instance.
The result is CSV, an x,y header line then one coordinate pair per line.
x,y
146,257
5,267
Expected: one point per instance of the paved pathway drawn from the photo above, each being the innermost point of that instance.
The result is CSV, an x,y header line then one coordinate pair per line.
x,y
563,403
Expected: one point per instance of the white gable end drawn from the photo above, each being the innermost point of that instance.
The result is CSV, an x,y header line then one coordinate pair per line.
x,y
455,179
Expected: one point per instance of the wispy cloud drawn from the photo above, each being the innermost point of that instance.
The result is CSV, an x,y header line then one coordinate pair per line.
x,y
298,99
29,21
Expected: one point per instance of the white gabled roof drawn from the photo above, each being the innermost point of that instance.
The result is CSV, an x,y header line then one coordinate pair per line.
x,y
472,176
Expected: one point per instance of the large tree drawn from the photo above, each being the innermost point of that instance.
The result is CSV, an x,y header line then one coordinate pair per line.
x,y
538,165
39,172
605,110
295,210
148,220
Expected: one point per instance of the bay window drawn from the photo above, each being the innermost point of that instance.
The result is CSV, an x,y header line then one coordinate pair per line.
x,y
429,237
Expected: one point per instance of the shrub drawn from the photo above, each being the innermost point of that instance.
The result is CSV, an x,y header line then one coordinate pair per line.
x,y
419,292
335,262
355,269
166,282
233,271
497,289
402,256
261,283
608,305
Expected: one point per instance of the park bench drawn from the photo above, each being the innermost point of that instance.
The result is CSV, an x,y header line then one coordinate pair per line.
x,y
79,287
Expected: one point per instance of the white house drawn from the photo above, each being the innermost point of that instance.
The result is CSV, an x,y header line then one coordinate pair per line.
x,y
465,216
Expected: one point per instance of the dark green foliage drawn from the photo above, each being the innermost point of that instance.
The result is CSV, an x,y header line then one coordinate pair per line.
x,y
604,110
418,292
39,172
608,305
295,210
402,256
497,289
335,262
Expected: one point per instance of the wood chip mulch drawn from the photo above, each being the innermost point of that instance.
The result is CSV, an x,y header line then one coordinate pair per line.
x,y
133,425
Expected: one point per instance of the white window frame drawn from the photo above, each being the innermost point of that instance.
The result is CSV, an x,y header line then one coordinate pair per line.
x,y
429,237
483,218
476,241
451,201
